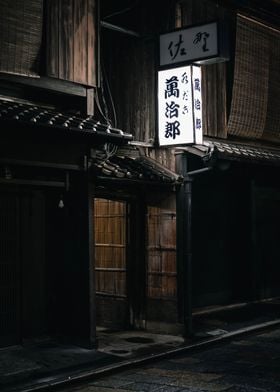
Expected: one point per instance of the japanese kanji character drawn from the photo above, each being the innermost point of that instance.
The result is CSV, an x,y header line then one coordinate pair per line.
x,y
202,36
197,104
172,129
172,87
171,109
175,49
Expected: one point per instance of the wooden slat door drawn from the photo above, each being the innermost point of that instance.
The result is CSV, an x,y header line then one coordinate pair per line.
x,y
110,218
161,265
9,270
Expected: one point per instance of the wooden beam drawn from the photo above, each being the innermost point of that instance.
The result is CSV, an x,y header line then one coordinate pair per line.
x,y
184,251
51,84
90,102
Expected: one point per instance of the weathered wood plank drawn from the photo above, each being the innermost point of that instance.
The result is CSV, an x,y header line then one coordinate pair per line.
x,y
92,43
80,38
66,60
214,78
71,41
52,38
161,261
90,101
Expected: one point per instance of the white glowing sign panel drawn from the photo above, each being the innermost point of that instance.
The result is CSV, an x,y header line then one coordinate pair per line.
x,y
193,44
197,104
179,106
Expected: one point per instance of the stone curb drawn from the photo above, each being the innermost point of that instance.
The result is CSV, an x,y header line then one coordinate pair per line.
x,y
49,383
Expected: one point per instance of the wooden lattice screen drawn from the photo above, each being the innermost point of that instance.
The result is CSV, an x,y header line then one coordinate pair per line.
x,y
161,261
110,262
214,76
256,90
20,36
110,247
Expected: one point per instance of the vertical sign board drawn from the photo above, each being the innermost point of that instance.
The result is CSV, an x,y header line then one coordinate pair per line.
x,y
197,105
179,106
179,84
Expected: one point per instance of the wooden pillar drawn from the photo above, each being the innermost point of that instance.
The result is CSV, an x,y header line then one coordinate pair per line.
x,y
79,266
184,251
90,102
137,263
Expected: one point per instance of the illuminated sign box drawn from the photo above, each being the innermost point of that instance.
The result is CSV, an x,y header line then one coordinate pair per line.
x,y
179,106
203,44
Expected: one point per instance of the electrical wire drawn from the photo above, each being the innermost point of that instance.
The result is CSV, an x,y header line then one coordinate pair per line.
x,y
101,96
100,91
122,11
96,97
110,97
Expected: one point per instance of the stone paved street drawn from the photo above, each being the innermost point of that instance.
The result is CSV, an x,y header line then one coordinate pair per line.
x,y
251,364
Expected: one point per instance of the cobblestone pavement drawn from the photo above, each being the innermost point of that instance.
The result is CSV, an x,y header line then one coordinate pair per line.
x,y
251,364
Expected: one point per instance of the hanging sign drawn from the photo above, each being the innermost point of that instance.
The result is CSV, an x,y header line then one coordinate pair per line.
x,y
197,44
179,106
197,105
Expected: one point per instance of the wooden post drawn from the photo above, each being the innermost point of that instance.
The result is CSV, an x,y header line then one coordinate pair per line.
x,y
137,263
90,102
184,251
80,279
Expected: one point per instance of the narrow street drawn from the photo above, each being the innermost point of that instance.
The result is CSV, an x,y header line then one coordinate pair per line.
x,y
250,364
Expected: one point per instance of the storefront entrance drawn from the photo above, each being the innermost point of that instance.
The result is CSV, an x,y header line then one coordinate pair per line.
x,y
31,245
135,273
111,220
22,266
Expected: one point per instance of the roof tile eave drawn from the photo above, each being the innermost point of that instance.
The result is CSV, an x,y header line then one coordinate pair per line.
x,y
45,118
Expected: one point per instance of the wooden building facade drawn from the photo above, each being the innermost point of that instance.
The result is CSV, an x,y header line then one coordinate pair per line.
x,y
232,180
75,196
100,226
227,209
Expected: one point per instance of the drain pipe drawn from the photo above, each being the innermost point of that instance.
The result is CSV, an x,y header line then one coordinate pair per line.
x,y
184,240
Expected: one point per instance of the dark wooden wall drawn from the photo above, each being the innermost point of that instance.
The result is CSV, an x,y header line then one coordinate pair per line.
x,y
265,242
71,40
216,78
10,306
235,247
50,38
221,243
23,280
129,63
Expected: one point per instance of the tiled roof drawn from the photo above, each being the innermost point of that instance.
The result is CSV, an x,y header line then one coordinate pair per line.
x,y
237,151
134,167
32,115
254,153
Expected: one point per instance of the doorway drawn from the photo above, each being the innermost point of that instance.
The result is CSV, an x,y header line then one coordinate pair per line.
x,y
111,219
9,269
135,265
265,242
22,266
